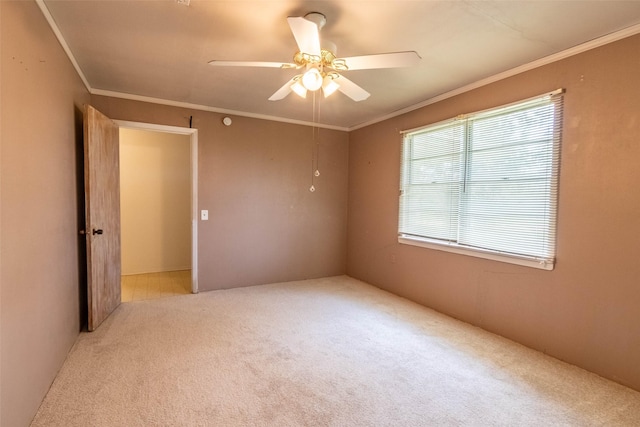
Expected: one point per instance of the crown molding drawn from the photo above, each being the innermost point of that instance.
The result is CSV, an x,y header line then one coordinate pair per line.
x,y
54,27
592,44
200,107
62,41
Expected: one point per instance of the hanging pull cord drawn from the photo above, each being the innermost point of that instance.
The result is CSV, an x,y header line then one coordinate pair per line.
x,y
315,144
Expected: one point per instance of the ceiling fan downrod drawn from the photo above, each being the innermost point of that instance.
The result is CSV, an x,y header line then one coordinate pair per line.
x,y
317,18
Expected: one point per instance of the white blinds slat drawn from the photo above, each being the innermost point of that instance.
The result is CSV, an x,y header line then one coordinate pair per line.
x,y
488,181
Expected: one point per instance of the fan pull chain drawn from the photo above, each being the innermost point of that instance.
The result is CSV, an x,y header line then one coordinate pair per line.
x,y
316,173
313,137
315,147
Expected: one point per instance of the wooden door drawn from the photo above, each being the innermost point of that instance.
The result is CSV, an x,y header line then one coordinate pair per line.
x,y
102,208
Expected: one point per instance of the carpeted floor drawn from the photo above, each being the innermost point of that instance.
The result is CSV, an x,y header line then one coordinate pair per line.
x,y
326,352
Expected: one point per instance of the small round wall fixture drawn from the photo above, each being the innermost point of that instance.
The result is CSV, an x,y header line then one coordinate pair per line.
x,y
227,121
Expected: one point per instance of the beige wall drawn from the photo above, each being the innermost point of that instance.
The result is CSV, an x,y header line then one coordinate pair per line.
x,y
253,177
155,201
265,226
41,133
586,311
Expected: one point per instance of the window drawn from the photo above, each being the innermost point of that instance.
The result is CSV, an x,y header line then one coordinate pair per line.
x,y
485,184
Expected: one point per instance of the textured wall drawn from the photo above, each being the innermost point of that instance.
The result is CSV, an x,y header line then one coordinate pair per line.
x,y
41,159
586,311
253,177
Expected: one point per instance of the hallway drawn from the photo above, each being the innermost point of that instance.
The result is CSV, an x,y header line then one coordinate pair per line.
x,y
138,287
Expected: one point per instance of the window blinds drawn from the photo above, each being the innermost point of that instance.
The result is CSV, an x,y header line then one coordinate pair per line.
x,y
487,180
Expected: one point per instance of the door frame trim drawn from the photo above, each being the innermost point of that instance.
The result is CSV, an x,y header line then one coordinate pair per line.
x,y
193,136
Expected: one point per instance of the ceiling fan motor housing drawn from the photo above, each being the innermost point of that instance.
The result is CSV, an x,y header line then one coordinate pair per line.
x,y
327,56
327,59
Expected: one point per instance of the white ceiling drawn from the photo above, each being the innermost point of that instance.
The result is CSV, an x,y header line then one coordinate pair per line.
x,y
160,49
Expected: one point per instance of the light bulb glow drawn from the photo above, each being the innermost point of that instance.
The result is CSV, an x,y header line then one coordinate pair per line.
x,y
329,86
312,79
299,89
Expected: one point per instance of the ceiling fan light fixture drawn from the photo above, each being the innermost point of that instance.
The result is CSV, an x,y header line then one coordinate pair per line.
x,y
312,79
319,61
329,86
299,89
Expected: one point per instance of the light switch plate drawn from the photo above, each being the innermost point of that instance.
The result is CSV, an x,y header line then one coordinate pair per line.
x,y
204,215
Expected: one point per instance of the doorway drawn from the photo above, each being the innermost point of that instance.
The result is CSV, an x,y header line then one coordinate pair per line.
x,y
158,169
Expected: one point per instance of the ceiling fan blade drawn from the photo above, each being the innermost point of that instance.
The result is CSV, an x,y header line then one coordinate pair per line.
x,y
351,89
383,60
283,91
217,63
306,34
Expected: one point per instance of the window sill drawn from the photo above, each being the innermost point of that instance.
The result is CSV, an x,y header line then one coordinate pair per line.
x,y
479,253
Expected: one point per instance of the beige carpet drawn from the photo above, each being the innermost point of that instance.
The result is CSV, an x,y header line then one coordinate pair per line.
x,y
327,352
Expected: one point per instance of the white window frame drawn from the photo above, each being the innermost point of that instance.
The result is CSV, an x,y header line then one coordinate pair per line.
x,y
542,262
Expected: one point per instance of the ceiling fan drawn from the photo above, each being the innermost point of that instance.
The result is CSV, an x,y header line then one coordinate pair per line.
x,y
322,69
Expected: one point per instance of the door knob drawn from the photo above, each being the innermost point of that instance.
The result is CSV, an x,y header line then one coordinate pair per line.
x,y
97,231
